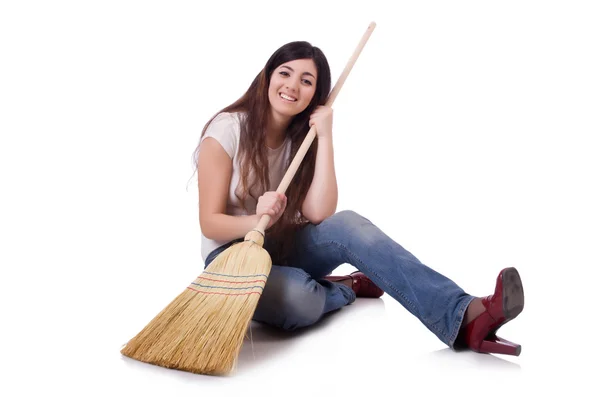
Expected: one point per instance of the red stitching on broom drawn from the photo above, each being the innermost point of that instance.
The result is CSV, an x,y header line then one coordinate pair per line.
x,y
232,282
229,275
221,293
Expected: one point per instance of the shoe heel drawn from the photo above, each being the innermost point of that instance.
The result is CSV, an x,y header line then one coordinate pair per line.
x,y
500,346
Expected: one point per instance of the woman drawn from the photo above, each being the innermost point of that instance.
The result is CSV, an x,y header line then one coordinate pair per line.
x,y
242,156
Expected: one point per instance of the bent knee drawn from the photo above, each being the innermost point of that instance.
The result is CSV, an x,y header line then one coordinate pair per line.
x,y
298,304
348,219
304,306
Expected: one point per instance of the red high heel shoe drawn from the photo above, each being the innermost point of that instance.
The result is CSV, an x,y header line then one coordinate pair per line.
x,y
506,304
362,286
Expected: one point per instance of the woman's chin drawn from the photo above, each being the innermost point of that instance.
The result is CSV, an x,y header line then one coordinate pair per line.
x,y
286,111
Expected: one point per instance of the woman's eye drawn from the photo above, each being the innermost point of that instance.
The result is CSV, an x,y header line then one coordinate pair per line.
x,y
307,82
284,73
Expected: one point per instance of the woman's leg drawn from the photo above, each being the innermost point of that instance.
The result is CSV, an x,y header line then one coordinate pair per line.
x,y
292,298
346,237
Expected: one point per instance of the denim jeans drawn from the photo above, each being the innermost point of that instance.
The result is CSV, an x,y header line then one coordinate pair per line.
x,y
297,295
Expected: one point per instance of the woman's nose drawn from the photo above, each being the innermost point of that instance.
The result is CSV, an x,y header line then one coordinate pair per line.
x,y
292,85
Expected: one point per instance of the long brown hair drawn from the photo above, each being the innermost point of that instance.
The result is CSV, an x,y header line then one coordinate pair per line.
x,y
253,149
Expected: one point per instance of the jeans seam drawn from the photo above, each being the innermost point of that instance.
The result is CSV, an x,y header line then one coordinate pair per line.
x,y
459,320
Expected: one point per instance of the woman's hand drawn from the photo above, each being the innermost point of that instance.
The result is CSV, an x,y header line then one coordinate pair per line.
x,y
322,119
272,204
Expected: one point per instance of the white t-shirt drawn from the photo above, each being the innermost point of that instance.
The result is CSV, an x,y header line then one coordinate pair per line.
x,y
225,128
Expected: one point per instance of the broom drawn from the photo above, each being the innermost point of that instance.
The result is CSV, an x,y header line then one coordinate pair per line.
x,y
202,329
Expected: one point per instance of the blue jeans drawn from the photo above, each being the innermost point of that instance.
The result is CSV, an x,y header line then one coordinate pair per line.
x,y
297,295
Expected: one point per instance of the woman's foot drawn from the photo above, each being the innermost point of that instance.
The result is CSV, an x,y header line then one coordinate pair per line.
x,y
473,311
362,286
486,315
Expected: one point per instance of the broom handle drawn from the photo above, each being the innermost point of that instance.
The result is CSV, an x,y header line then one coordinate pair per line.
x,y
295,164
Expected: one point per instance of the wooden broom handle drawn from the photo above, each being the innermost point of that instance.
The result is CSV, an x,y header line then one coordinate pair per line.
x,y
289,175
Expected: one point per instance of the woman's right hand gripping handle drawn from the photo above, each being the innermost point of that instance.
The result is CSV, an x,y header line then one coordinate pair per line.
x,y
272,204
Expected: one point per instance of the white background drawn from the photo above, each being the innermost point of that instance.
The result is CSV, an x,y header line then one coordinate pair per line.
x,y
467,131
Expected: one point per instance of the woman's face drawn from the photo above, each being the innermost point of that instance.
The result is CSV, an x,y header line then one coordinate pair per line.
x,y
292,87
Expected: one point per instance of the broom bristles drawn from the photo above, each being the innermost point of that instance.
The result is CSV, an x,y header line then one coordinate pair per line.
x,y
202,330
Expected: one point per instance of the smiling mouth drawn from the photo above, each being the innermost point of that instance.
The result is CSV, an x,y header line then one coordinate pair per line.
x,y
287,98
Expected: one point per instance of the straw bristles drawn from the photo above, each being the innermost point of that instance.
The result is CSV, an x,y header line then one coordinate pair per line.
x,y
202,330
